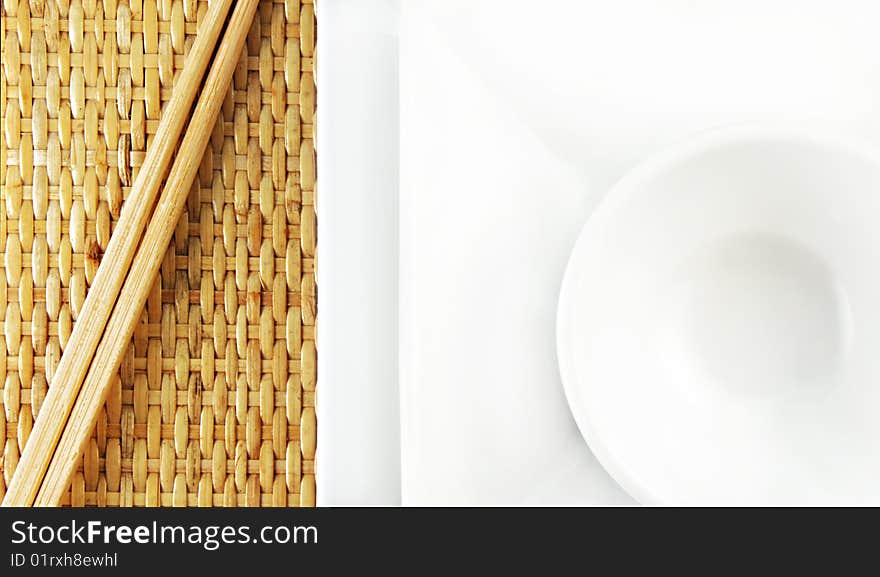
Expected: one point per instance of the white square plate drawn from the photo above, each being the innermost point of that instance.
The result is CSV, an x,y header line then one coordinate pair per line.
x,y
515,118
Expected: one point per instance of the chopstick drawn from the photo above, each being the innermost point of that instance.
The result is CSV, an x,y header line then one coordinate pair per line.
x,y
108,280
145,266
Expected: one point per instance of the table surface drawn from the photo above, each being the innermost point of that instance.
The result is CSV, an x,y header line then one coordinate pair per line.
x,y
358,413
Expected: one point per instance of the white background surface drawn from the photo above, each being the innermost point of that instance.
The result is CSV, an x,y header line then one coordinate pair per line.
x,y
515,119
358,418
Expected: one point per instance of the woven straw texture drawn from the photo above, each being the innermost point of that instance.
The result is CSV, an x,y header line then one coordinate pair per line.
x,y
214,404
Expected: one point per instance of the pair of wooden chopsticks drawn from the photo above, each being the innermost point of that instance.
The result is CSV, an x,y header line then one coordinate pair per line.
x,y
130,264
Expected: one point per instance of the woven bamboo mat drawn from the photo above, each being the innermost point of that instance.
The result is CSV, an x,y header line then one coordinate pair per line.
x,y
214,404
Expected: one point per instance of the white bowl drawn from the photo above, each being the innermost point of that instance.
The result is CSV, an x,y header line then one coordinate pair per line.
x,y
719,323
